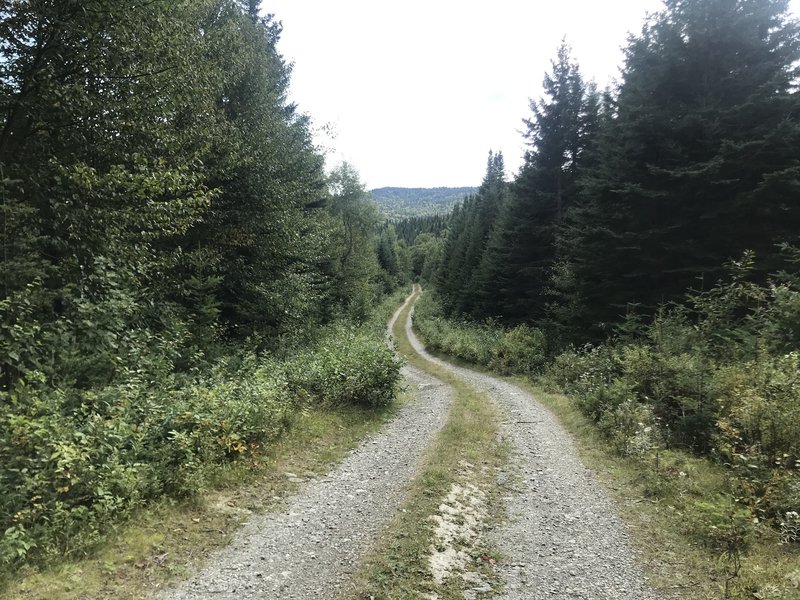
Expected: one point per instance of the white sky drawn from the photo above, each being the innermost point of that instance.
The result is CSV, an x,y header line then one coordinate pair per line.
x,y
415,93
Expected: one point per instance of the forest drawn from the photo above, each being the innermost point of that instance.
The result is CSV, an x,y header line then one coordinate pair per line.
x,y
182,276
645,259
400,203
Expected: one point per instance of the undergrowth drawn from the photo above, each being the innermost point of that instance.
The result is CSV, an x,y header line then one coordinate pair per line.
x,y
521,349
168,538
75,463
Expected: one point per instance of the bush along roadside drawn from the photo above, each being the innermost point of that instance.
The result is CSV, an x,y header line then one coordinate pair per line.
x,y
519,350
704,391
718,377
74,462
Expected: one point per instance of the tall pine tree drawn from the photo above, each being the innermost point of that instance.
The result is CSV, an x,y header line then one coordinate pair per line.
x,y
699,163
467,238
515,271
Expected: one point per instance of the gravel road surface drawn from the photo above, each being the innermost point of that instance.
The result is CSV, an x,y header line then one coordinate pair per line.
x,y
309,549
563,538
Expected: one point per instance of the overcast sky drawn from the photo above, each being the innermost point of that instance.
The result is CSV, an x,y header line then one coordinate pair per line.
x,y
415,93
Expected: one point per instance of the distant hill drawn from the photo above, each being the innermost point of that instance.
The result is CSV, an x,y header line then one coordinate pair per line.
x,y
398,203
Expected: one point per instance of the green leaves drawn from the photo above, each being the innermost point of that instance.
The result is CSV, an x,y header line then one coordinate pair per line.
x,y
691,169
166,215
76,461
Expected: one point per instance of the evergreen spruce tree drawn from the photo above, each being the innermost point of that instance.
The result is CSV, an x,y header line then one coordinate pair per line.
x,y
698,164
514,275
449,279
266,228
467,236
488,202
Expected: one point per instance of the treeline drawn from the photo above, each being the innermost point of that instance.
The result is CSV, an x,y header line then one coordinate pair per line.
x,y
408,229
177,269
401,203
631,197
645,257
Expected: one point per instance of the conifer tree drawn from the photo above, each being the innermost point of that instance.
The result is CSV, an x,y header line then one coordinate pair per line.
x,y
698,164
158,188
467,237
488,202
515,270
449,279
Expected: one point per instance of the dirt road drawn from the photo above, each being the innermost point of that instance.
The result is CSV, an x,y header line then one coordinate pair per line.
x,y
562,539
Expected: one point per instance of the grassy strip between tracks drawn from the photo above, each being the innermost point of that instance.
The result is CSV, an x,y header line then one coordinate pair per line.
x,y
397,568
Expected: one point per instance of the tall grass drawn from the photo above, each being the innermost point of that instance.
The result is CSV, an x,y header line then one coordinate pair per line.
x,y
521,349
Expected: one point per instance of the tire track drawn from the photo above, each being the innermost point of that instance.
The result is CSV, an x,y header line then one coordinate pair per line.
x,y
309,549
563,538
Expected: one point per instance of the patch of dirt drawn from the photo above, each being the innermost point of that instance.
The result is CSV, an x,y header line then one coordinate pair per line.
x,y
457,534
457,525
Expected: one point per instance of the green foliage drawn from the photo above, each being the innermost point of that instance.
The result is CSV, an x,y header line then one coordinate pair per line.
x,y
521,349
348,366
693,165
75,461
393,259
356,272
515,269
410,228
425,257
172,251
712,377
459,279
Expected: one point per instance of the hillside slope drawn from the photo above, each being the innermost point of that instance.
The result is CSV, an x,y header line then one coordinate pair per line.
x,y
398,202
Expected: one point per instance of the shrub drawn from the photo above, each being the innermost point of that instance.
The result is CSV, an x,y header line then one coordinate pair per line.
x,y
520,350
714,377
74,461
347,367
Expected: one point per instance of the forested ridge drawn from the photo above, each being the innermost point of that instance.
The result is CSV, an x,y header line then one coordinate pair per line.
x,y
399,203
180,276
645,257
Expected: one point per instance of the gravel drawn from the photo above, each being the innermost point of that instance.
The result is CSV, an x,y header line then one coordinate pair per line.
x,y
563,538
309,549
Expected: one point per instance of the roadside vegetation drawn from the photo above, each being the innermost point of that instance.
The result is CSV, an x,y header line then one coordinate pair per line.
x,y
181,278
333,395
711,483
